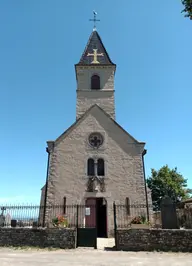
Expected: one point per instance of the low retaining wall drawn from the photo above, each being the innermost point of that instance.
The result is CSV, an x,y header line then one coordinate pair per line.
x,y
175,240
58,238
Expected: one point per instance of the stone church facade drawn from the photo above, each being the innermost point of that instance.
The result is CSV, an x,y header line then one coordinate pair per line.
x,y
95,160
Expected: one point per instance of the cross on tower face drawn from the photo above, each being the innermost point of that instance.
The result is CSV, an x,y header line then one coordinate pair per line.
x,y
95,55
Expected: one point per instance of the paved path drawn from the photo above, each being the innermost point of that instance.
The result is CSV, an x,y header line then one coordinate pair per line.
x,y
85,257
103,243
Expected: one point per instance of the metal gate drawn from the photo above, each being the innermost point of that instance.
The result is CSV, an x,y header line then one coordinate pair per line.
x,y
86,225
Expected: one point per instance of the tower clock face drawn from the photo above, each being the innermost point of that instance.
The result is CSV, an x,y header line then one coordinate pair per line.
x,y
95,140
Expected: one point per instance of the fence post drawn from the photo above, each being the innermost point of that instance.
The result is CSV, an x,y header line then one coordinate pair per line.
x,y
77,216
77,224
64,205
115,223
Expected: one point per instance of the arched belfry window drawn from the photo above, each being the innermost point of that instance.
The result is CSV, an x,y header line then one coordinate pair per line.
x,y
90,167
95,82
100,167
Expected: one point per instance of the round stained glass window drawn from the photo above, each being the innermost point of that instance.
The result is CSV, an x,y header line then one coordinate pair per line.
x,y
95,140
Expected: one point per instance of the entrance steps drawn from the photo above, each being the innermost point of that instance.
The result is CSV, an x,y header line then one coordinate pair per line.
x,y
102,244
105,243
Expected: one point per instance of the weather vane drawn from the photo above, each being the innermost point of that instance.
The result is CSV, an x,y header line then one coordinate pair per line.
x,y
94,19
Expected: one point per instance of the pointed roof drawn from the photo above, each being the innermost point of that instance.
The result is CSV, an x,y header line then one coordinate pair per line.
x,y
95,45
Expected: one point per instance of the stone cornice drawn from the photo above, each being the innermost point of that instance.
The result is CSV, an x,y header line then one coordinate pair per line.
x,y
50,146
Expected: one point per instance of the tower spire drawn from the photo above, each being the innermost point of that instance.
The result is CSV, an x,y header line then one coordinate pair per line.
x,y
94,20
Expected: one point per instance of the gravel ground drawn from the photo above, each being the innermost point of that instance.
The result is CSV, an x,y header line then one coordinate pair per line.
x,y
85,257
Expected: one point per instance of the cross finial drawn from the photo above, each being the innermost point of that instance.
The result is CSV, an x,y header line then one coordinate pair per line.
x,y
94,19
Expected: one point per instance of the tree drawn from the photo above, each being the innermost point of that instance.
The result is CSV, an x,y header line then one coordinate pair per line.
x,y
187,8
167,182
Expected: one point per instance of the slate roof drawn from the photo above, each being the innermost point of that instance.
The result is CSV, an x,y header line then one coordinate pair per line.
x,y
95,42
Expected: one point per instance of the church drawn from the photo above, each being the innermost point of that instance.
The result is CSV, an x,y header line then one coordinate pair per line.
x,y
95,161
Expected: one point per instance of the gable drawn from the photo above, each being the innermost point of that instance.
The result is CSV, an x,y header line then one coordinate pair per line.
x,y
113,129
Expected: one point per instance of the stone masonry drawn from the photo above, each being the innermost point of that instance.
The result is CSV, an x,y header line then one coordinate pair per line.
x,y
58,238
121,153
174,240
123,165
103,97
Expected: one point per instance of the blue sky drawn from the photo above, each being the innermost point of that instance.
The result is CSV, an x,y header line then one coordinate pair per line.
x,y
150,41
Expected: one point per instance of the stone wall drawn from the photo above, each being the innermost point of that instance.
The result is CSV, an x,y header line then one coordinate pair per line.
x,y
174,240
58,238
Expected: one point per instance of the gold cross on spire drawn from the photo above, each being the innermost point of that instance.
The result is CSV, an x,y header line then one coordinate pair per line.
x,y
95,55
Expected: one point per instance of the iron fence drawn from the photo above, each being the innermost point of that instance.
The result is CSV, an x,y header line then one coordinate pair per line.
x,y
37,216
85,216
127,215
184,217
69,216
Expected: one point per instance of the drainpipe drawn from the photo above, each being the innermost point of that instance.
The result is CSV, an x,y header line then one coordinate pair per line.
x,y
146,196
46,187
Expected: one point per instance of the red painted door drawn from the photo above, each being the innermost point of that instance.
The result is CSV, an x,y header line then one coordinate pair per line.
x,y
90,212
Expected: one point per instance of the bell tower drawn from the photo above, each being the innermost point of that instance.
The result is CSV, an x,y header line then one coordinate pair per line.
x,y
95,78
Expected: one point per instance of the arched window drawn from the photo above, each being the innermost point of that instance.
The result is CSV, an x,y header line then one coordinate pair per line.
x,y
90,167
127,205
100,167
95,82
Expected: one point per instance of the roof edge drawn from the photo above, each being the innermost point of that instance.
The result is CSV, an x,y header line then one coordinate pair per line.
x,y
81,64
139,142
84,116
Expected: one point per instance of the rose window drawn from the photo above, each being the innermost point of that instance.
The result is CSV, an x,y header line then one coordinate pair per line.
x,y
95,140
